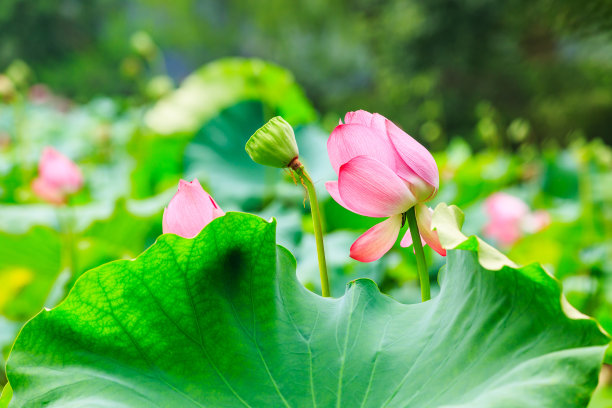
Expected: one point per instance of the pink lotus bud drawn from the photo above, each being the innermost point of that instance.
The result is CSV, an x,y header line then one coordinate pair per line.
x,y
190,210
510,218
58,176
382,172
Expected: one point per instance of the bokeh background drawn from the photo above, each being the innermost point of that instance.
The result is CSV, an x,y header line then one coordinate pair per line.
x,y
437,67
512,97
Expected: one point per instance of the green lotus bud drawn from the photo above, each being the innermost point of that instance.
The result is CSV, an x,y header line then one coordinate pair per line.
x,y
273,144
7,89
19,72
143,44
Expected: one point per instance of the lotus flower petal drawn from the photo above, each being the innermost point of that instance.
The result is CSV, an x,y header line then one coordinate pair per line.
x,y
505,207
190,210
417,159
423,216
506,215
536,221
407,240
332,189
370,188
59,171
359,117
352,140
48,192
377,241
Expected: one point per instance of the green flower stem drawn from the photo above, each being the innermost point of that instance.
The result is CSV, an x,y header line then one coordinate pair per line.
x,y
316,221
66,221
21,147
270,175
420,255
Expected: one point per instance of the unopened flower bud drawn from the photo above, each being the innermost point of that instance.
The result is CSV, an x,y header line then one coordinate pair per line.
x,y
190,210
19,72
273,144
58,176
7,89
143,44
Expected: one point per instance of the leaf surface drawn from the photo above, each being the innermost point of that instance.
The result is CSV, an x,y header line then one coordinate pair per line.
x,y
221,321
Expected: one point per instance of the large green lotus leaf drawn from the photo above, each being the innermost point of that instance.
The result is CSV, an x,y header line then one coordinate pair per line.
x,y
223,83
31,271
204,107
5,396
216,156
29,265
30,262
8,332
221,321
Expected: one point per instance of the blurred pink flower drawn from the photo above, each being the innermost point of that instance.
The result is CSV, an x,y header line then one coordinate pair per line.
x,y
39,94
510,218
58,176
536,221
190,210
382,172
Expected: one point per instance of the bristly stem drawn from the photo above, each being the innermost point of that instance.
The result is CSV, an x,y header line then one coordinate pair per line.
x,y
316,221
420,255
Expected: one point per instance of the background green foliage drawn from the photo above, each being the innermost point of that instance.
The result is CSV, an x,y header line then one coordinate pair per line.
x,y
437,67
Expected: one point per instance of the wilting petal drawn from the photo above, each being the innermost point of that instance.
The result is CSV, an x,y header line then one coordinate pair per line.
x,y
352,140
377,241
423,216
372,189
417,159
190,210
59,171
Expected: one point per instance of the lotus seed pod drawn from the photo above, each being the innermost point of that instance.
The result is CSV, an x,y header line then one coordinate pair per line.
x,y
273,144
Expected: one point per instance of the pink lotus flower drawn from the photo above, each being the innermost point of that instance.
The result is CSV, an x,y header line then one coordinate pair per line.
x,y
58,176
190,210
510,218
382,172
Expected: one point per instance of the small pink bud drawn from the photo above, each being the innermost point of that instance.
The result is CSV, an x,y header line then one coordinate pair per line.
x,y
190,210
58,176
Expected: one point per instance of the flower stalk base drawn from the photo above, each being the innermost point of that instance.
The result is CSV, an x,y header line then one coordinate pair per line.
x,y
420,255
306,181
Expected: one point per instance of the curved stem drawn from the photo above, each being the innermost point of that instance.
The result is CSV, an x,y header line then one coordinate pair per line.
x,y
317,225
420,255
